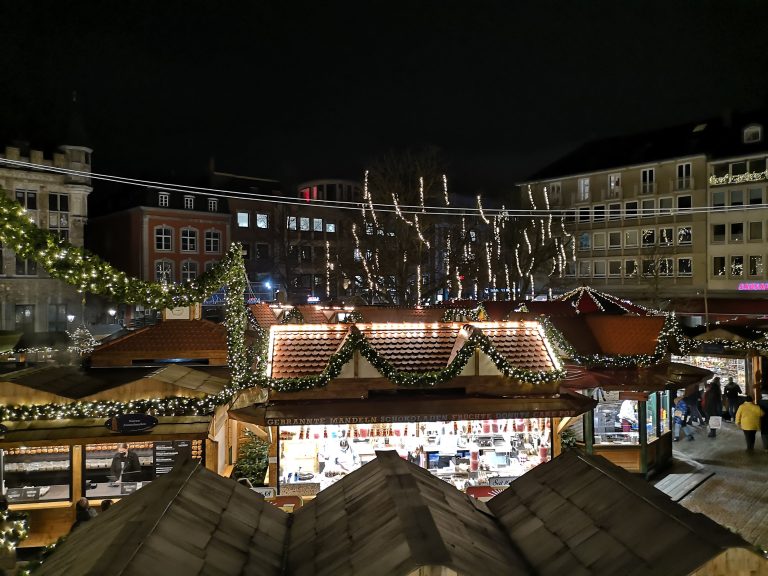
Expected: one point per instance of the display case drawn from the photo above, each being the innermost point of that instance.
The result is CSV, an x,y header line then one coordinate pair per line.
x,y
37,474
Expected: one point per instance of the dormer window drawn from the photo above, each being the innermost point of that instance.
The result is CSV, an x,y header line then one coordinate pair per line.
x,y
753,134
163,199
213,205
189,202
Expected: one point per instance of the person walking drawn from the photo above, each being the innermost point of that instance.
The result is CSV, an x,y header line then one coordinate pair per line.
x,y
713,403
681,408
732,391
748,418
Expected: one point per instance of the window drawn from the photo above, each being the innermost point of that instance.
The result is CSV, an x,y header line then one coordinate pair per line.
x,y
570,268
163,239
584,214
188,270
631,238
189,202
718,199
666,267
630,209
737,266
163,199
209,264
718,232
665,206
684,235
753,133
330,227
27,198
684,203
648,181
755,265
614,186
570,216
25,317
648,209
649,267
357,255
585,268
584,241
292,253
614,211
583,195
25,267
305,253
212,241
737,197
213,205
261,251
683,181
614,268
317,224
666,236
57,317
555,194
304,224
649,237
163,271
598,241
757,165
58,212
598,212
599,269
292,223
755,196
718,266
737,232
188,240
630,268
684,267
243,219
755,231
262,221
614,239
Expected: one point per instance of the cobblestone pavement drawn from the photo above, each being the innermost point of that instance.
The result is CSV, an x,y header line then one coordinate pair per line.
x,y
737,495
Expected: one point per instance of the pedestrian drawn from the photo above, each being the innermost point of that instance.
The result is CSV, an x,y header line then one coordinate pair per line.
x,y
105,504
764,421
83,512
732,391
748,418
680,410
693,401
713,404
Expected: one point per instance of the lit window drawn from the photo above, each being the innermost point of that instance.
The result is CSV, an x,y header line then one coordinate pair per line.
x,y
163,271
262,221
163,199
330,227
291,223
188,270
243,219
304,224
584,241
317,224
583,195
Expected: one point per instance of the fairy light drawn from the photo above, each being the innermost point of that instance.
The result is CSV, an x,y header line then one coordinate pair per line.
x,y
480,210
362,257
418,230
421,193
445,190
459,287
488,252
367,195
517,261
418,284
327,269
448,263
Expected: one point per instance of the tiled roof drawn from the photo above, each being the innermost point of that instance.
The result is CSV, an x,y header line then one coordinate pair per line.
x,y
315,315
304,350
168,339
625,334
572,515
521,344
578,514
73,381
395,314
576,332
413,347
264,315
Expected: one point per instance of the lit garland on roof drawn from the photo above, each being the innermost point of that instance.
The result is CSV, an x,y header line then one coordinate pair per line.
x,y
293,316
357,341
477,314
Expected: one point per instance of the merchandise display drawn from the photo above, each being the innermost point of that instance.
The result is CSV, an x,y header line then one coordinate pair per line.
x,y
36,474
463,453
616,420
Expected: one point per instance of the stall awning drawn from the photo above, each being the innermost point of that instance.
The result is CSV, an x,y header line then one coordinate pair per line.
x,y
92,430
668,376
424,408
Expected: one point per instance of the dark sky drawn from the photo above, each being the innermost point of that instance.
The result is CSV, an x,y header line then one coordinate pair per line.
x,y
295,91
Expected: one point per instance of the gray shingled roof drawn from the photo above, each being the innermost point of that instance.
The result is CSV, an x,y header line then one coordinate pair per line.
x,y
574,515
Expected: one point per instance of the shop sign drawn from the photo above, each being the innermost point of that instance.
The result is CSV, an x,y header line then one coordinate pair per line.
x,y
131,423
633,396
753,286
501,480
265,491
711,348
128,488
405,418
23,494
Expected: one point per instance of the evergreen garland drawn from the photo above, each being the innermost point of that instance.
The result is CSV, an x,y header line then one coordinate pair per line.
x,y
293,316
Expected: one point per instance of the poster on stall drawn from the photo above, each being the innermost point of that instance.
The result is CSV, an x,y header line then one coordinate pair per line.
x,y
167,453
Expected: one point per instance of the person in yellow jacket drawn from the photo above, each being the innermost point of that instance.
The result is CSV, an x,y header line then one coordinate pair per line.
x,y
748,418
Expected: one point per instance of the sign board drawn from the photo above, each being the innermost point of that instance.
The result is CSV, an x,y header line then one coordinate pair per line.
x,y
128,488
404,418
23,494
167,453
501,480
131,423
266,491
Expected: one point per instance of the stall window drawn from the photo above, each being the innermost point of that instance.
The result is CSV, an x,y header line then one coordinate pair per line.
x,y
37,474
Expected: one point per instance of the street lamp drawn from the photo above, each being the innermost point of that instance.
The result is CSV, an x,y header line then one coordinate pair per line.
x,y
112,313
70,318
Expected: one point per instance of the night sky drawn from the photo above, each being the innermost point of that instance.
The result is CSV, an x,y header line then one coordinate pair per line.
x,y
297,91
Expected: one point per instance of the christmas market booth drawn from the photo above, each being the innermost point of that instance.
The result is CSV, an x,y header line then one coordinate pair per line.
x,y
473,403
623,362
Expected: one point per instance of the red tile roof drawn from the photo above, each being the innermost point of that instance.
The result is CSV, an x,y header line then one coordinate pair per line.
x,y
625,334
304,350
521,343
413,348
264,314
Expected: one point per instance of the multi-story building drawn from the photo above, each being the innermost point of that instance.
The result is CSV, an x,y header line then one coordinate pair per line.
x,y
636,210
31,301
738,225
163,236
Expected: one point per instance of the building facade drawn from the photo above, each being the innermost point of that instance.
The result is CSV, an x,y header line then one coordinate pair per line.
x,y
32,302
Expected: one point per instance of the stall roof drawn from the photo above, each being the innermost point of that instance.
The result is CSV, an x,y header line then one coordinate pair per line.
x,y
666,376
586,300
73,431
610,334
73,381
575,514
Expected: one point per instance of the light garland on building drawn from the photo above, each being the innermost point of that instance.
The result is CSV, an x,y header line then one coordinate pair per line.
x,y
480,210
445,190
738,178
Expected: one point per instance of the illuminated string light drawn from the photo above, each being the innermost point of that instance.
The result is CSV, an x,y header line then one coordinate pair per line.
x,y
421,193
445,190
480,210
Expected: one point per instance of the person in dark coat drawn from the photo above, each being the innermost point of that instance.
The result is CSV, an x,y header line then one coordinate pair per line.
x,y
732,391
679,420
124,461
713,403
83,512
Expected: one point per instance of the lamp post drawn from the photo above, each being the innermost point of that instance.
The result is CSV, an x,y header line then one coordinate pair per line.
x,y
112,313
70,318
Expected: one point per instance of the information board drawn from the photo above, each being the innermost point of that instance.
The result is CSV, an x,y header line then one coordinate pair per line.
x,y
167,453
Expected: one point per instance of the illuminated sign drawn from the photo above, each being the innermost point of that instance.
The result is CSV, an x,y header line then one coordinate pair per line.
x,y
753,286
313,299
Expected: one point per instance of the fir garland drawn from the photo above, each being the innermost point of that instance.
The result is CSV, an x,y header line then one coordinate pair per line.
x,y
14,527
477,314
293,316
354,317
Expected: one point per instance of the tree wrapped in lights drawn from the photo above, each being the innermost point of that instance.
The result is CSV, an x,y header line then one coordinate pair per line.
x,y
82,341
